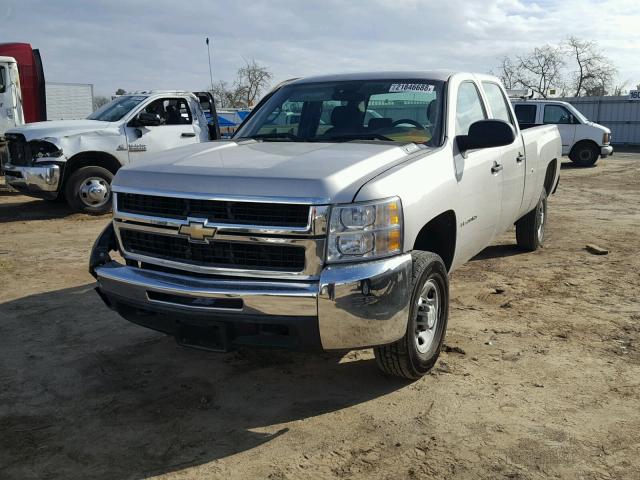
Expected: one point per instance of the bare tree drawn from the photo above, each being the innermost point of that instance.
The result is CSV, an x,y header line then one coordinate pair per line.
x,y
99,101
541,69
509,73
620,89
594,73
221,94
252,79
227,96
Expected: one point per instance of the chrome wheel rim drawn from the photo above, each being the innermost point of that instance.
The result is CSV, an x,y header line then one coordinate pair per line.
x,y
428,316
541,214
94,192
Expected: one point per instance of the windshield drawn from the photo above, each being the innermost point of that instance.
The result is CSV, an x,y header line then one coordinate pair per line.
x,y
383,110
577,113
118,108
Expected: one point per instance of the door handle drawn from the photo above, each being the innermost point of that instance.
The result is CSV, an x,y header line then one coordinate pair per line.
x,y
496,167
186,134
520,158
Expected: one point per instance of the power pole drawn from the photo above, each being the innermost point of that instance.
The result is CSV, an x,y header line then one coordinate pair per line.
x,y
210,71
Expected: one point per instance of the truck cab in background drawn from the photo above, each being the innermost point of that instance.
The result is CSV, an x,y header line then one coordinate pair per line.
x,y
583,141
11,114
77,159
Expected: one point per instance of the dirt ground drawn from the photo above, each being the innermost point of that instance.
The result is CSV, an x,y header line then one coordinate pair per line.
x,y
546,384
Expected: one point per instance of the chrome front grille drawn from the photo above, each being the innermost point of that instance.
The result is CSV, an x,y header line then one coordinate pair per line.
x,y
220,253
19,151
216,211
265,249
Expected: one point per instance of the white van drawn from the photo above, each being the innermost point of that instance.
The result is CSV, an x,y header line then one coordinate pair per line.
x,y
583,140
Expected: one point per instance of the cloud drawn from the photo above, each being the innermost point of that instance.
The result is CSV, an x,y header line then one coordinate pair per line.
x,y
160,43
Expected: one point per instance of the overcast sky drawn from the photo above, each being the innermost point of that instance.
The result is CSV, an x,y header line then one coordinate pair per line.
x,y
160,44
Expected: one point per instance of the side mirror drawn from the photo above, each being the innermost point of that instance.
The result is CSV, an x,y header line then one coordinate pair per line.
x,y
487,134
146,119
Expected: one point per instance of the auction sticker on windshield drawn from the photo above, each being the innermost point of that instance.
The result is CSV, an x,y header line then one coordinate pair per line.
x,y
411,87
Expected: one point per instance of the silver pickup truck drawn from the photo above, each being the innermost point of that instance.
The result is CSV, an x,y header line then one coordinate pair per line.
x,y
331,220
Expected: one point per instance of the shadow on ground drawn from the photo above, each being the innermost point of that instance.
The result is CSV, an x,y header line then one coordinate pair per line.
x,y
87,395
498,251
32,209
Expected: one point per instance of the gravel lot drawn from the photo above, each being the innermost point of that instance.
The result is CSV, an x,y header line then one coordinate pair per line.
x,y
542,379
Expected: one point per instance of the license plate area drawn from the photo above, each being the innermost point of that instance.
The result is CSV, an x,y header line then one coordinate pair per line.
x,y
212,337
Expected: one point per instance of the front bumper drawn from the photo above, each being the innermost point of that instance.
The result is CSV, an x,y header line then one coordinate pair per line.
x,y
350,306
38,181
606,150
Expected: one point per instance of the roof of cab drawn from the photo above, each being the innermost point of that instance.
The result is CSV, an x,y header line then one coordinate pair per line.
x,y
441,75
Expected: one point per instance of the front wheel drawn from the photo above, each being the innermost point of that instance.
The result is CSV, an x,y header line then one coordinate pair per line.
x,y
585,154
89,190
416,353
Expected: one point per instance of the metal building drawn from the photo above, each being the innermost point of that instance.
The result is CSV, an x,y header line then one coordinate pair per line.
x,y
620,114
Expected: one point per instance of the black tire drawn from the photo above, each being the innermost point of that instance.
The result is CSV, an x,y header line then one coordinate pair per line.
x,y
530,229
78,190
403,357
585,154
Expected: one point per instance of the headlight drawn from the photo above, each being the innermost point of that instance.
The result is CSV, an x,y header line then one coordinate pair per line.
x,y
606,138
365,230
42,148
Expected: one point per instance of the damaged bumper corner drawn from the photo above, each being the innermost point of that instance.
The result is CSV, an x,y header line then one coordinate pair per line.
x,y
104,244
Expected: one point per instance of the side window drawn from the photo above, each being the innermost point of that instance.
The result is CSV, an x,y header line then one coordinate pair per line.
x,y
3,84
497,102
526,114
285,119
171,111
557,114
469,108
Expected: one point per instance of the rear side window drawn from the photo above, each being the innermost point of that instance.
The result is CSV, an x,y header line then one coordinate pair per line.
x,y
469,108
526,114
497,102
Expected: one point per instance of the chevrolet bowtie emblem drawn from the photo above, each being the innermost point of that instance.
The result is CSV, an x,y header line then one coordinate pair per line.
x,y
197,232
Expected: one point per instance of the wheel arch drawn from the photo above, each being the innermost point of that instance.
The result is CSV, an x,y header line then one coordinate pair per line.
x,y
584,141
438,235
550,176
90,159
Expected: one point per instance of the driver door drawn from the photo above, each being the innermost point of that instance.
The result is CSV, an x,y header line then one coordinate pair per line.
x,y
565,121
176,128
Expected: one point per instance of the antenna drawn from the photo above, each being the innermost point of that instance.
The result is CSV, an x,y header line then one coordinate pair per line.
x,y
210,71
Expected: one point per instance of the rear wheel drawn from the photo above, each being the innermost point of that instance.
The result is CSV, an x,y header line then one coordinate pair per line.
x,y
417,352
584,154
530,229
89,190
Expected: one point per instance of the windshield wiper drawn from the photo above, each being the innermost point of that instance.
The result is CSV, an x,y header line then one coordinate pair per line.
x,y
273,136
356,136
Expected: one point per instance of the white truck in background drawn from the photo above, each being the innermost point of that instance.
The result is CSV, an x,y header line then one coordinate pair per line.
x,y
11,113
583,141
77,159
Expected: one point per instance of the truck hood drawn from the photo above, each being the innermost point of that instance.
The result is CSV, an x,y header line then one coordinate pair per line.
x,y
317,173
58,129
598,126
